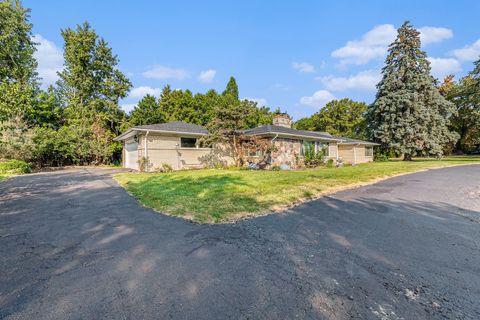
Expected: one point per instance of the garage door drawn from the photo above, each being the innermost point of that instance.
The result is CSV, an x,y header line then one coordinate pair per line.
x,y
131,155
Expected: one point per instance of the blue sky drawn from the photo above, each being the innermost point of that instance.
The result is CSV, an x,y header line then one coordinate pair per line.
x,y
296,55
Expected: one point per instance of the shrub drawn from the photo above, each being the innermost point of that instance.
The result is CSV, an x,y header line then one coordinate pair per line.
x,y
380,157
15,167
143,164
313,159
330,163
165,167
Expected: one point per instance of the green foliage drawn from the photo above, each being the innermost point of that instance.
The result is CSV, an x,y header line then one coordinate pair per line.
x,y
311,158
75,144
275,168
90,82
409,114
329,163
16,139
18,76
380,157
231,89
15,167
466,120
339,117
17,64
147,111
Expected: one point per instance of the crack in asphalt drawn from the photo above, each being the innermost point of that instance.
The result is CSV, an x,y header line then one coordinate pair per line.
x,y
74,244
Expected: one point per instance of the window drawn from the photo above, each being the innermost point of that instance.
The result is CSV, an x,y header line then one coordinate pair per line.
x,y
368,151
324,146
307,146
188,142
255,153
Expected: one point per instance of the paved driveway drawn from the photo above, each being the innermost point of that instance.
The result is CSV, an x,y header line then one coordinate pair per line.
x,y
74,245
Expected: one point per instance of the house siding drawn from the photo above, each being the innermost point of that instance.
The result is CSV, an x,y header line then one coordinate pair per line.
x,y
165,149
347,153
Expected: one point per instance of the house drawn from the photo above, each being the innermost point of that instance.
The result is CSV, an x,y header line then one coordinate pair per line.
x,y
177,144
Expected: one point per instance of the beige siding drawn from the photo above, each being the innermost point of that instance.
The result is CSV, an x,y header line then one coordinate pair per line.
x,y
332,150
165,149
347,153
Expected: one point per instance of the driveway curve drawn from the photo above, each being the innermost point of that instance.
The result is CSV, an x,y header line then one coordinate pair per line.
x,y
75,245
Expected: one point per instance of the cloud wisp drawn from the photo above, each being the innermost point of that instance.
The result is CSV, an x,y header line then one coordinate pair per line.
x,y
164,73
49,58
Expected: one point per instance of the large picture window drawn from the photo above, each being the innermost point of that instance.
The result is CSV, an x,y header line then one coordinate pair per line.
x,y
368,151
188,142
324,146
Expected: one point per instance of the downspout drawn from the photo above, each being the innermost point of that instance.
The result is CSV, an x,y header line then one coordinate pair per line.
x,y
146,152
354,155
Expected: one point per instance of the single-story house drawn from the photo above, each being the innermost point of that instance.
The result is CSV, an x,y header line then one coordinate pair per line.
x,y
177,145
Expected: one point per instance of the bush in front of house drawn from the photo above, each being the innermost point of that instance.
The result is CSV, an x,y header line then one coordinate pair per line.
x,y
15,167
313,159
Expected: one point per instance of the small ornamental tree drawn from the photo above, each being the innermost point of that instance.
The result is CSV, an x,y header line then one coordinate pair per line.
x,y
409,115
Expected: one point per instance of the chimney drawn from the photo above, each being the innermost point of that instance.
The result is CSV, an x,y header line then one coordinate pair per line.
x,y
282,120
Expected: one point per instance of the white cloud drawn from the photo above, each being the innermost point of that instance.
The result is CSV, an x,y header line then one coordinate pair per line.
x,y
434,34
442,67
470,52
49,58
364,80
303,67
318,99
372,45
261,102
162,72
207,76
140,92
128,107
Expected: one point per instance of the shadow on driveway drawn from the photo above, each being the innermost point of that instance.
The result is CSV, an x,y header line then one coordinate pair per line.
x,y
73,244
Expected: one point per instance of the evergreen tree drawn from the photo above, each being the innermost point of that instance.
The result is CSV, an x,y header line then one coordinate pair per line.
x,y
409,115
232,88
147,111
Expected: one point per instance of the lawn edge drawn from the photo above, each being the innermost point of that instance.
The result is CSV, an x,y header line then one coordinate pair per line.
x,y
282,208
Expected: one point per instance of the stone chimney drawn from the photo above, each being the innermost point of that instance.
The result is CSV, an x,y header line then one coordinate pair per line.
x,y
282,120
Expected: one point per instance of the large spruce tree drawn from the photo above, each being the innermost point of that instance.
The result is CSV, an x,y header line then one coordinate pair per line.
x,y
409,114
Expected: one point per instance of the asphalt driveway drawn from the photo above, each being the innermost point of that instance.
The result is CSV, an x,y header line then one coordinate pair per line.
x,y
75,245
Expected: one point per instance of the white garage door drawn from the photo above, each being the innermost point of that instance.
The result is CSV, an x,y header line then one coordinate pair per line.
x,y
131,155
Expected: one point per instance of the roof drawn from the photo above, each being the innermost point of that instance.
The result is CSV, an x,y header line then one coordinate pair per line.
x,y
175,126
284,131
178,127
356,141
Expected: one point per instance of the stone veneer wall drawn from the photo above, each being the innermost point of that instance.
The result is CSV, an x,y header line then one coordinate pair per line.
x,y
287,151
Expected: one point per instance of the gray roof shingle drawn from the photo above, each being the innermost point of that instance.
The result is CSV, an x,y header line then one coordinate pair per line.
x,y
175,126
271,129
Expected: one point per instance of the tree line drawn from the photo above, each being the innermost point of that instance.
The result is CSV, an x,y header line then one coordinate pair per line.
x,y
75,120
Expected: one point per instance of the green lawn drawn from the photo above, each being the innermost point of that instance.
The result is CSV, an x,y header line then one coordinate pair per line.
x,y
213,195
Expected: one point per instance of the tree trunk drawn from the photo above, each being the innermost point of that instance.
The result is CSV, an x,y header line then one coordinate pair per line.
x,y
407,157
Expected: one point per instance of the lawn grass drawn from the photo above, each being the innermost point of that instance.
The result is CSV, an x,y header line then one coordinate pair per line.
x,y
3,177
214,195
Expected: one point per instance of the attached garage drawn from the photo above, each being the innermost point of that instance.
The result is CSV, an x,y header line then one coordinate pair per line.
x,y
131,155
